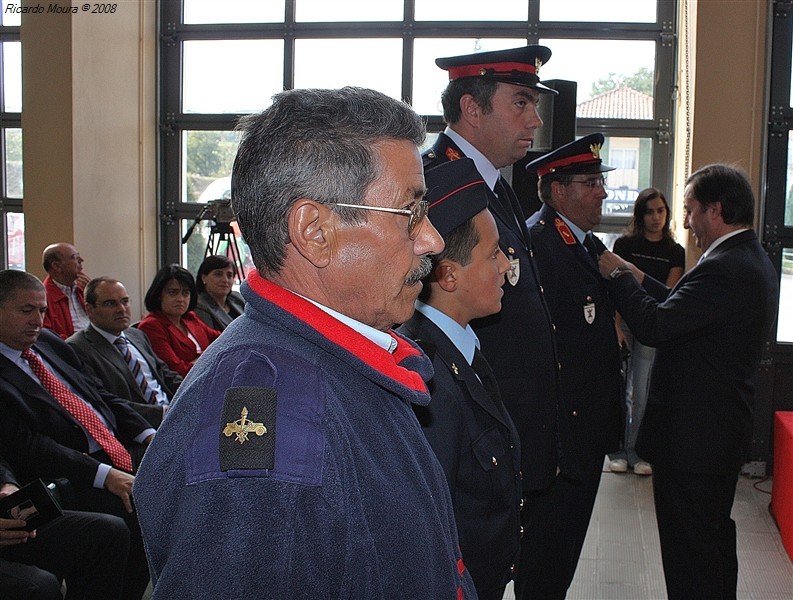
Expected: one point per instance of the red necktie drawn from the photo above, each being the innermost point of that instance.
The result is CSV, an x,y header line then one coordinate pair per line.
x,y
80,411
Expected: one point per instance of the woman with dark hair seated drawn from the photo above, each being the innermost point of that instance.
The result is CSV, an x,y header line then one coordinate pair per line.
x,y
218,305
177,335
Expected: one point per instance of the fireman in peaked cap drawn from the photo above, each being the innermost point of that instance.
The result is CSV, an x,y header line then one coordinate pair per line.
x,y
572,187
490,109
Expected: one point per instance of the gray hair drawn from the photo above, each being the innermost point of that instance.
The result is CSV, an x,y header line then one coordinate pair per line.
x,y
315,144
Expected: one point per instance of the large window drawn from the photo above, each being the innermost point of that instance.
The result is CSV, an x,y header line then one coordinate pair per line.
x,y
12,248
778,217
218,64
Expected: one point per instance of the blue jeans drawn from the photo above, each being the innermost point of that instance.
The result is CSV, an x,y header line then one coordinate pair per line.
x,y
637,386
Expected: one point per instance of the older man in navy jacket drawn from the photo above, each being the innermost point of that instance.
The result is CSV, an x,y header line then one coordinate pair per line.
x,y
709,330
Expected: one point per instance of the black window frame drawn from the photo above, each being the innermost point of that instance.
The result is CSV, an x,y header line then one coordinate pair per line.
x,y
8,120
172,122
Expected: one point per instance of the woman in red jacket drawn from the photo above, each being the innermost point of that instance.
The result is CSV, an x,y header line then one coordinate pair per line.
x,y
177,335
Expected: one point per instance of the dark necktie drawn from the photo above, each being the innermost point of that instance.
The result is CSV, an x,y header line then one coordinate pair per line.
x,y
136,368
80,411
509,202
486,375
591,248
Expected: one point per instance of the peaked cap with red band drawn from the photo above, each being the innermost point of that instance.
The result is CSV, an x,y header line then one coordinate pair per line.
x,y
576,158
518,66
456,193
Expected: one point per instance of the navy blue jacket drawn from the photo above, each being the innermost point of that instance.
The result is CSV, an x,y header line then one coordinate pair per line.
x,y
588,351
709,332
519,342
478,447
334,493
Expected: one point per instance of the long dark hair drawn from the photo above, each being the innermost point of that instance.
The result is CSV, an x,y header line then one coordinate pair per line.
x,y
636,225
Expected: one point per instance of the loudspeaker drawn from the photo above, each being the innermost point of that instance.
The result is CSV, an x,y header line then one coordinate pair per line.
x,y
559,126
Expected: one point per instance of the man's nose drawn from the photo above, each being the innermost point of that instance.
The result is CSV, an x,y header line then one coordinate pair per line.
x,y
428,241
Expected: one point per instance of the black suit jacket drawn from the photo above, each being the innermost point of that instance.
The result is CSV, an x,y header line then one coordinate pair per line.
x,y
519,342
478,447
588,351
709,331
33,423
109,365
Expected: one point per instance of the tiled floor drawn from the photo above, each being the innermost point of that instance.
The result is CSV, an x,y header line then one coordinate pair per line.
x,y
621,558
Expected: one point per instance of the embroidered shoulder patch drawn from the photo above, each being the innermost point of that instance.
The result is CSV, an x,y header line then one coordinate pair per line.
x,y
247,436
452,154
565,232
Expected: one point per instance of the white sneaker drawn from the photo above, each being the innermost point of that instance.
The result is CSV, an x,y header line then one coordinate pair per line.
x,y
643,468
618,465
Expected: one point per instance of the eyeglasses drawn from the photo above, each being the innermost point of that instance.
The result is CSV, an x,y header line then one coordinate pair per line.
x,y
592,183
416,214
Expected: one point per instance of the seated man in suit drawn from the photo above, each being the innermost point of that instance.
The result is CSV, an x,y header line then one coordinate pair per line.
x,y
466,422
60,423
33,563
120,355
64,284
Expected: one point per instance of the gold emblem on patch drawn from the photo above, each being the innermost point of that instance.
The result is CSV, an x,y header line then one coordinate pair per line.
x,y
595,148
452,154
242,427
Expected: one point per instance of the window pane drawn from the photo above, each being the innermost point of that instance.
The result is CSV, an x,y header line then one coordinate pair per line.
x,y
789,182
11,19
223,238
349,10
15,235
784,332
619,11
13,163
471,10
12,76
335,63
218,75
206,164
233,11
632,158
429,80
620,88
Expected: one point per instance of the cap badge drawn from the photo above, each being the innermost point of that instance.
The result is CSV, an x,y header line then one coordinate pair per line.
x,y
595,148
537,65
242,427
452,154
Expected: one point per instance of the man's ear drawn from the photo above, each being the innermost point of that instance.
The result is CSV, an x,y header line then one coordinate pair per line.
x,y
446,273
470,111
312,231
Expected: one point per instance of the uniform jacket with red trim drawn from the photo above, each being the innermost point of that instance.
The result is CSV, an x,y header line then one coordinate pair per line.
x,y
333,493
478,447
583,313
58,317
519,341
175,348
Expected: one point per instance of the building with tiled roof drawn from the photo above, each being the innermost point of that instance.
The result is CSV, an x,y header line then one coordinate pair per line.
x,y
620,103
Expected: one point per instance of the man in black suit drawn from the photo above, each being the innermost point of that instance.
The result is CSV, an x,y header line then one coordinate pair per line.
x,y
60,423
490,108
466,422
709,331
32,563
120,355
571,185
